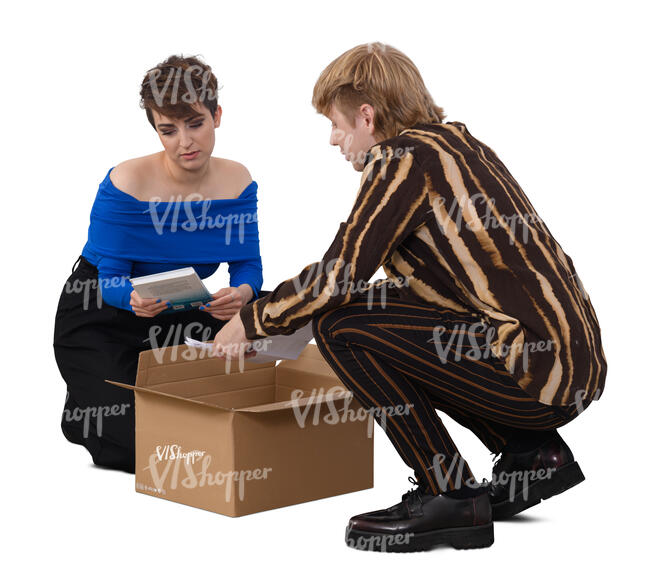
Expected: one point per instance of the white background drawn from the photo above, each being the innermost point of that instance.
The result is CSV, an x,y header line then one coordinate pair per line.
x,y
556,89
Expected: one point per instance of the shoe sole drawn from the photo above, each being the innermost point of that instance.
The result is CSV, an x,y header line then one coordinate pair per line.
x,y
564,478
457,537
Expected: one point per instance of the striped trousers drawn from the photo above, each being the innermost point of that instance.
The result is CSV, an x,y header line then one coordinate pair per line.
x,y
404,362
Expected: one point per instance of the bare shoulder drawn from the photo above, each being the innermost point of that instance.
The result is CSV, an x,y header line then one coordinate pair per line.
x,y
127,175
231,168
231,175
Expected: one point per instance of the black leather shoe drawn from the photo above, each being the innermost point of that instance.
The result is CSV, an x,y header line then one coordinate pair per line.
x,y
422,521
523,479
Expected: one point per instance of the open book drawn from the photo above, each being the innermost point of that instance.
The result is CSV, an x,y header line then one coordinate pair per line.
x,y
273,347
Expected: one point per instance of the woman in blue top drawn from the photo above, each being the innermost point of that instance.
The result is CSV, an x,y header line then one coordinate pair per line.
x,y
176,208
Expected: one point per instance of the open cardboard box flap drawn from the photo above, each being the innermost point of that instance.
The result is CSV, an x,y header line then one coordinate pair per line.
x,y
185,365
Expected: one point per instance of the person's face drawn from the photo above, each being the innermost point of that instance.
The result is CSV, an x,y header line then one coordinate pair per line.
x,y
353,140
194,134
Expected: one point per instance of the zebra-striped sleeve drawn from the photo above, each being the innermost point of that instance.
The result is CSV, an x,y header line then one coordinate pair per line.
x,y
391,202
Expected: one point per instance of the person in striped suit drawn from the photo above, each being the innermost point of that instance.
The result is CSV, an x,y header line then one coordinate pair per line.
x,y
482,315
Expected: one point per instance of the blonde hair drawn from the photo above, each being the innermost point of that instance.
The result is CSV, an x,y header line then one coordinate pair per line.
x,y
383,77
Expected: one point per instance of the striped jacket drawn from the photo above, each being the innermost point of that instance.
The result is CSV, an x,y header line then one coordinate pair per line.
x,y
451,227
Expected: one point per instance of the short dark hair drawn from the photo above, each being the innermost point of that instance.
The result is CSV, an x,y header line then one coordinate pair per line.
x,y
173,86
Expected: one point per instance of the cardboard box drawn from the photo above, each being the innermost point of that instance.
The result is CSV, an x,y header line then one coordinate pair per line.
x,y
241,442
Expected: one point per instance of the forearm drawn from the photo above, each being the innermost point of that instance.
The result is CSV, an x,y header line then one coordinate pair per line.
x,y
248,273
116,291
113,275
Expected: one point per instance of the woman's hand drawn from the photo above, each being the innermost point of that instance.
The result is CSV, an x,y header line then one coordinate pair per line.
x,y
228,301
148,307
231,342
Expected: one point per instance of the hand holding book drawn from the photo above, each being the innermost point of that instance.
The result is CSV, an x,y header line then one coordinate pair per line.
x,y
181,287
228,301
147,307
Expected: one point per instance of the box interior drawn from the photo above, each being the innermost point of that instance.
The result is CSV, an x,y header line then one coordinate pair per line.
x,y
205,380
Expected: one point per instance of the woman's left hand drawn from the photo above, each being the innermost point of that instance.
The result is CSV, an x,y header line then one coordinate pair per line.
x,y
231,341
227,302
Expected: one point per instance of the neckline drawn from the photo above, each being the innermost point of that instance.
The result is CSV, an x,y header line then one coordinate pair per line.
x,y
417,125
200,201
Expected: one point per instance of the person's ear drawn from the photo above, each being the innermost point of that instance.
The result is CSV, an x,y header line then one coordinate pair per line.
x,y
367,113
217,117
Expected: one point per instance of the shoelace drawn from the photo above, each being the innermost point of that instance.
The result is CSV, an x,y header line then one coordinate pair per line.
x,y
420,488
412,493
498,457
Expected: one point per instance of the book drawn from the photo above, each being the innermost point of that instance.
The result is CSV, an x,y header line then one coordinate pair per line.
x,y
183,287
271,348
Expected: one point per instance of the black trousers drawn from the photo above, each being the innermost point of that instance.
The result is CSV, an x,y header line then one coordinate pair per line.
x,y
94,341
392,354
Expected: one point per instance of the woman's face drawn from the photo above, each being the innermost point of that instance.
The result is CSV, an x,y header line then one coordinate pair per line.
x,y
193,135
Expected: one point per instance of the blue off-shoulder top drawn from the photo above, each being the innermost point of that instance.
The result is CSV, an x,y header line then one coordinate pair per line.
x,y
128,237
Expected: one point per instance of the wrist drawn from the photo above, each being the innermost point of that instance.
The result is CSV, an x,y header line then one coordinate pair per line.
x,y
246,292
247,317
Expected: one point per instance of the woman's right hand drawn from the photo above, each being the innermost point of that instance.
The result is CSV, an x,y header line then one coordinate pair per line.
x,y
148,307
